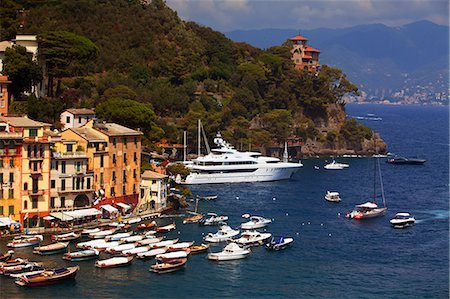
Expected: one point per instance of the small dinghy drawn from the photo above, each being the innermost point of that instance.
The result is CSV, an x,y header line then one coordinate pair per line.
x,y
33,271
106,245
88,231
25,241
166,228
117,237
14,262
120,248
224,233
253,238
213,219
51,248
168,266
180,246
193,219
256,222
150,234
48,277
149,241
102,234
22,269
163,243
90,244
135,250
6,256
114,262
172,255
65,237
132,239
195,249
151,253
402,220
278,243
147,225
81,255
231,252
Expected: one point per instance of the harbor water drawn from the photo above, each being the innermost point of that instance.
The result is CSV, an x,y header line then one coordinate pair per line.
x,y
332,257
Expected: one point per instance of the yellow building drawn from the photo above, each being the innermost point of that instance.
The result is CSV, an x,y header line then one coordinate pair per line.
x,y
153,192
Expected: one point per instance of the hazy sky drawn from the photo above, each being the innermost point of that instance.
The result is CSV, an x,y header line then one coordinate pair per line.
x,y
228,15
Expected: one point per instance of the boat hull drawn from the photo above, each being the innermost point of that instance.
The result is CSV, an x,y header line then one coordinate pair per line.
x,y
52,280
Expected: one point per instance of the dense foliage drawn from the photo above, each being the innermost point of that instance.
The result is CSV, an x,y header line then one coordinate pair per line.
x,y
142,66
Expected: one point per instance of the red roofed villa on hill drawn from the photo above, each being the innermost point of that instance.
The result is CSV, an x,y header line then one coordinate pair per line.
x,y
304,56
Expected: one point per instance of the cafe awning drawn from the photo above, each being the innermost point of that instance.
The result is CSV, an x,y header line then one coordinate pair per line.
x,y
83,213
109,208
123,205
61,216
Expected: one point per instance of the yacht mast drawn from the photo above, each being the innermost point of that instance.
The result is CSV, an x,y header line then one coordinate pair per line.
x,y
184,146
285,154
198,137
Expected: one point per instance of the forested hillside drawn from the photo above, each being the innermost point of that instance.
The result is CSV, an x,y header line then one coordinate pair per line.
x,y
142,66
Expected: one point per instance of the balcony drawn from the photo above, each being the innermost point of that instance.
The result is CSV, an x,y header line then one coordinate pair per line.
x,y
9,135
71,155
35,192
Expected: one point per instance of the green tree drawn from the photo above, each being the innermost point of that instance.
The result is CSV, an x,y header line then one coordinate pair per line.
x,y
21,70
10,22
64,54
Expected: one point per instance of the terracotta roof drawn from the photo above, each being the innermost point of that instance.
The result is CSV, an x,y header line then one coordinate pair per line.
x,y
311,49
21,121
89,134
307,56
113,129
76,111
298,38
148,174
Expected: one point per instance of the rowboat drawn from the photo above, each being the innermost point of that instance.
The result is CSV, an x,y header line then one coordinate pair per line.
x,y
36,270
101,234
198,248
65,237
47,277
150,233
179,246
88,231
51,248
14,262
193,219
25,240
28,267
166,228
106,245
6,256
172,255
132,220
114,262
120,248
146,225
149,241
117,237
135,250
151,253
168,266
81,255
163,243
90,244
132,239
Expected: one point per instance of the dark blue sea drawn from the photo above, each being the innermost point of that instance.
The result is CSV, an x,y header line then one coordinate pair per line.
x,y
332,257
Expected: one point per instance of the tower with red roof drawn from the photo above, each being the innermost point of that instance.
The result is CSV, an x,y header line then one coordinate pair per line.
x,y
304,56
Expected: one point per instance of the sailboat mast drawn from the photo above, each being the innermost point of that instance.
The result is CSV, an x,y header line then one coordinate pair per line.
x,y
381,183
184,146
198,137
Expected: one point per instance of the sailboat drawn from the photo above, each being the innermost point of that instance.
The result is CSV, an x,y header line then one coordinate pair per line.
x,y
371,209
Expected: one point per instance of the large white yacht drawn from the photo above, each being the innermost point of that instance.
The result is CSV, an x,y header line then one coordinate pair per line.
x,y
227,165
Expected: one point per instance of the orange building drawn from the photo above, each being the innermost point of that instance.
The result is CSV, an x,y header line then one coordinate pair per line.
x,y
4,95
304,56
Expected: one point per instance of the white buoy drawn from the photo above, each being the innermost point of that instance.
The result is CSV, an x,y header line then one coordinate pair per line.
x,y
296,233
178,232
309,222
321,224
287,214
303,223
329,235
237,197
274,199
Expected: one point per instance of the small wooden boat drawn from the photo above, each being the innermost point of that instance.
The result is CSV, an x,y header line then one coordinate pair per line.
x,y
180,246
132,239
106,245
114,262
147,225
65,237
195,249
208,197
120,248
14,262
88,231
172,255
28,267
193,219
150,234
51,248
102,234
116,224
149,241
26,240
166,228
6,256
168,266
163,243
90,244
47,277
36,270
117,237
132,220
81,255
151,253
278,243
135,250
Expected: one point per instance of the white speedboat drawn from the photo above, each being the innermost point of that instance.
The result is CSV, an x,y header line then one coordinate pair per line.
x,y
402,220
253,238
227,165
366,210
278,243
336,166
224,233
256,222
231,252
213,219
332,196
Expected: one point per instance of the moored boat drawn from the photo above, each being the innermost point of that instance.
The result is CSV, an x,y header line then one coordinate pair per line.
x,y
102,234
50,276
252,238
117,237
332,196
51,248
135,250
163,243
14,262
168,266
193,219
132,239
278,243
195,249
24,268
81,255
405,161
65,237
25,241
231,252
6,256
132,220
402,220
90,244
224,233
147,225
88,231
180,246
166,228
336,166
149,241
151,253
114,262
256,222
120,248
106,245
213,219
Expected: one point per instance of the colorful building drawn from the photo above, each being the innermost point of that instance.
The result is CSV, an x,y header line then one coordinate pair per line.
x,y
153,192
75,118
4,82
304,56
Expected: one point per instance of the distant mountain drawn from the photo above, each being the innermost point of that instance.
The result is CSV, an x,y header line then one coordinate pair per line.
x,y
382,60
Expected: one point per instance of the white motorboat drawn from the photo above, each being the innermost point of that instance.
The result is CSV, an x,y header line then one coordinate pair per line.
x,y
25,241
224,233
333,196
120,248
213,219
90,244
180,246
366,210
151,253
402,220
117,237
336,166
231,252
256,222
227,165
278,243
252,238
172,255
132,239
114,262
135,250
101,234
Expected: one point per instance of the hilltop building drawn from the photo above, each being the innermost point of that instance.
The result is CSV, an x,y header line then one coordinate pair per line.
x,y
75,118
304,56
